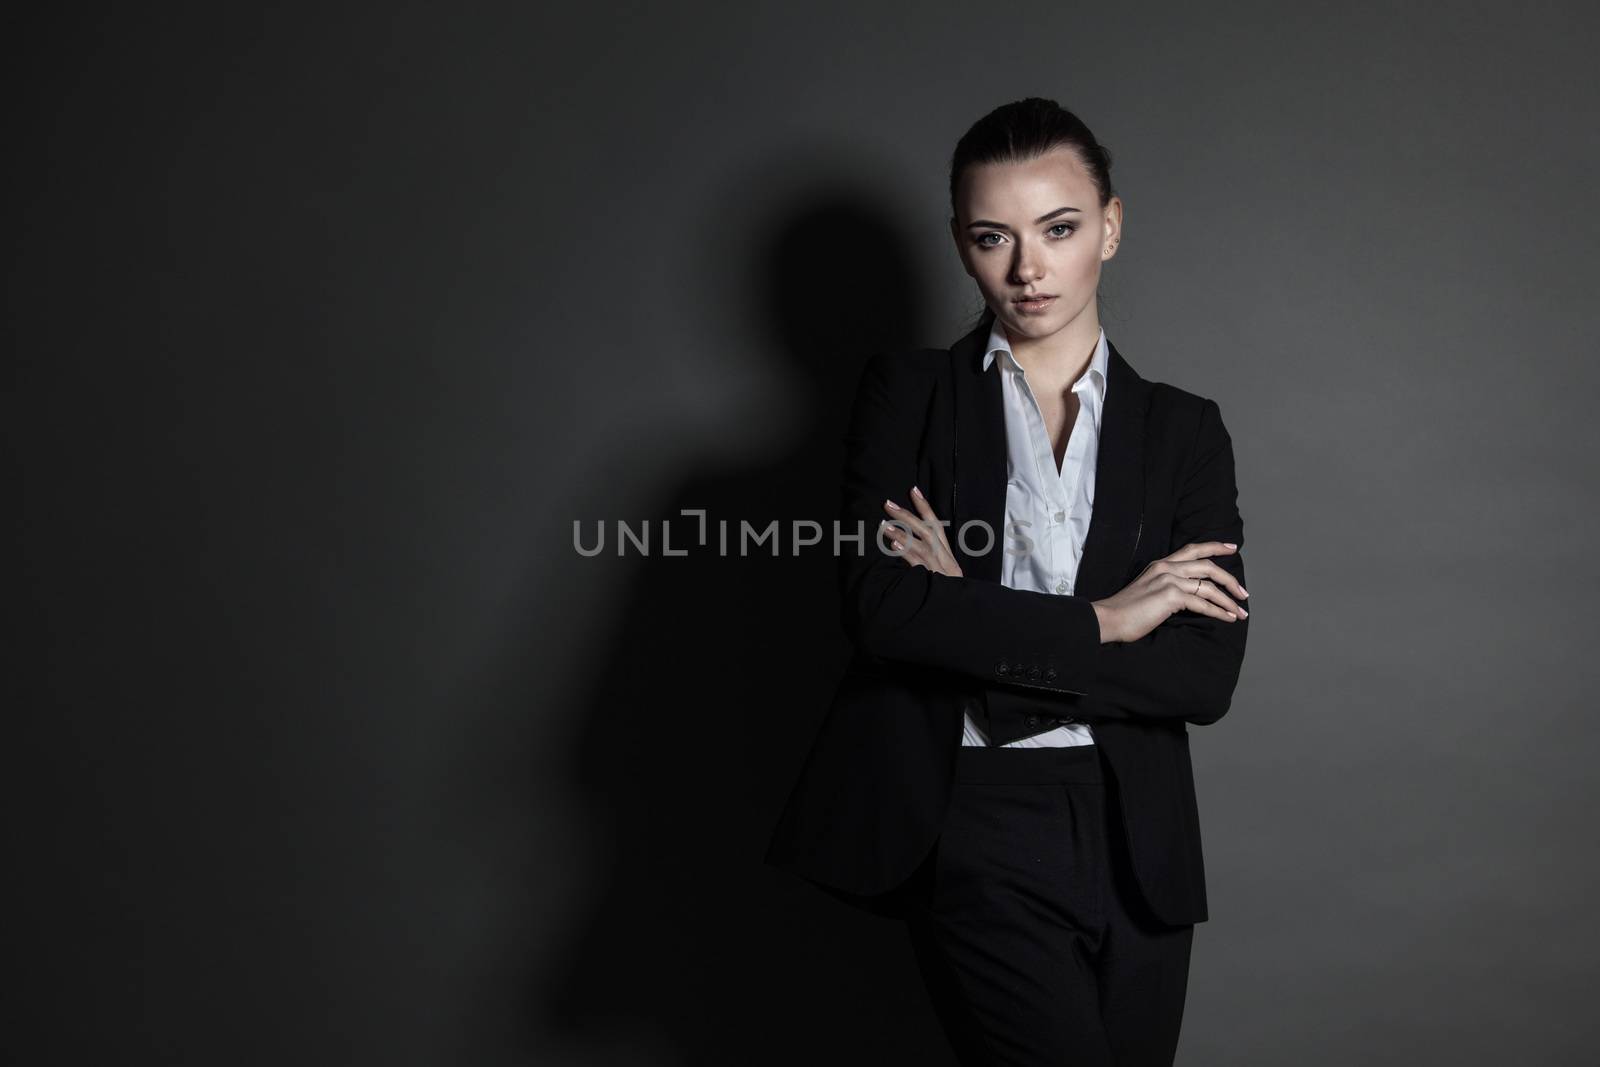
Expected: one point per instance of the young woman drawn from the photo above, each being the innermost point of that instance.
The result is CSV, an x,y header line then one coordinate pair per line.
x,y
1055,598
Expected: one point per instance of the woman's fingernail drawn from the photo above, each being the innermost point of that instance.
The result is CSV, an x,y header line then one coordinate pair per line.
x,y
915,491
891,505
1243,591
1230,544
1245,613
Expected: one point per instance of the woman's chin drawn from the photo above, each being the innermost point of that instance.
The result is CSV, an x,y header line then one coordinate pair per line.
x,y
1033,323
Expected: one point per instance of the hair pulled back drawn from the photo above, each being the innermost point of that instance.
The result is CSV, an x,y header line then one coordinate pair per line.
x,y
1027,129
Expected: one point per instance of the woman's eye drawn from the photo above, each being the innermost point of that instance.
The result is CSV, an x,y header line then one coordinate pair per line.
x,y
1069,227
982,241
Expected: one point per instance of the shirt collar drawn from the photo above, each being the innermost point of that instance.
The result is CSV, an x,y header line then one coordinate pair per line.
x,y
1096,374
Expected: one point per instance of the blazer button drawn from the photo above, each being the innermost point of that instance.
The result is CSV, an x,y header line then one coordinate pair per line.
x,y
1033,673
1003,670
1032,720
1066,722
1050,675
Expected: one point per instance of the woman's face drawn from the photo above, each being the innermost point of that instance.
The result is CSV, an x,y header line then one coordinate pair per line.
x,y
1035,228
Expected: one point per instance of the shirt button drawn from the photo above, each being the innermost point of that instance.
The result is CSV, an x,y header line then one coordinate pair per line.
x,y
1061,516
1061,586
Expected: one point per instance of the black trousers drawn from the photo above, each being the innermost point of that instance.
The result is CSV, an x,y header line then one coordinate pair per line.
x,y
1031,937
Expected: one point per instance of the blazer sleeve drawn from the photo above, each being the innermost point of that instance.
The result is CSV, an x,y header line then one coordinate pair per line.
x,y
1186,668
895,611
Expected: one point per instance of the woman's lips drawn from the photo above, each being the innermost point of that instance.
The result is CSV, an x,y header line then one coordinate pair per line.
x,y
1037,304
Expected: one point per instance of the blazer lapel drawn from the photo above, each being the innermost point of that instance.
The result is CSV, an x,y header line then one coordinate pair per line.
x,y
980,468
1116,525
980,455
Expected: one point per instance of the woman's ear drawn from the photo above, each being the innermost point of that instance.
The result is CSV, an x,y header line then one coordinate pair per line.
x,y
1113,226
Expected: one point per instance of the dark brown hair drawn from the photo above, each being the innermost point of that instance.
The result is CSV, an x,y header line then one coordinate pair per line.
x,y
1027,129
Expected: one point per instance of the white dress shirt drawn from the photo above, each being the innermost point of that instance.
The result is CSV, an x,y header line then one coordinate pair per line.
x,y
1048,507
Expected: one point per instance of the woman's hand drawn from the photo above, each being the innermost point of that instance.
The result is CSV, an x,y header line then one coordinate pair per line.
x,y
920,537
1183,580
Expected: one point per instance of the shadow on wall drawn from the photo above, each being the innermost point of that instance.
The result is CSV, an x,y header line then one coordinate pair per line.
x,y
714,676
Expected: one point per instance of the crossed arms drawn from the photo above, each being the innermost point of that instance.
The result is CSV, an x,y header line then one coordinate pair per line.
x,y
1185,669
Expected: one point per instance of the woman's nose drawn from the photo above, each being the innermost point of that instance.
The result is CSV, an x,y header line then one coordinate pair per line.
x,y
1026,269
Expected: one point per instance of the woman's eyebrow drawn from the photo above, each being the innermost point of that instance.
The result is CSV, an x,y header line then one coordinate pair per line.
x,y
1003,226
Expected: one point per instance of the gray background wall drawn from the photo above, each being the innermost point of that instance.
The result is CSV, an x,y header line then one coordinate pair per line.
x,y
327,324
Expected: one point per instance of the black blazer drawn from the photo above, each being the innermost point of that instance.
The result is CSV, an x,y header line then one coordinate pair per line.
x,y
871,797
